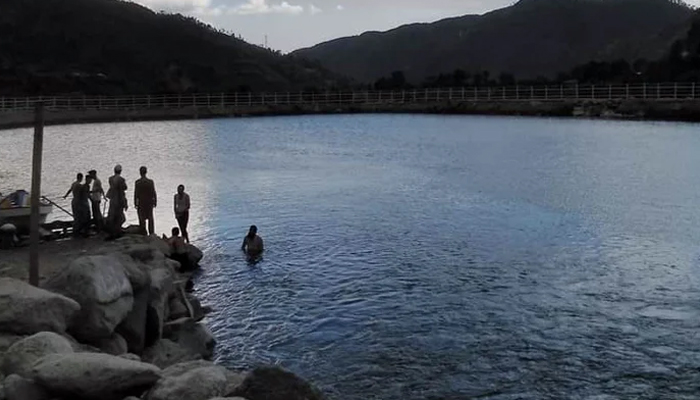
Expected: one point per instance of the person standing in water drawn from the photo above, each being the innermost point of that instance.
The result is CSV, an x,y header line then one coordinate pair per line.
x,y
181,205
252,244
145,200
117,203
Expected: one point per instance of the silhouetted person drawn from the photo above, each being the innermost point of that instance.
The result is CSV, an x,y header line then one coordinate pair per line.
x,y
145,200
79,204
117,203
181,205
96,195
253,244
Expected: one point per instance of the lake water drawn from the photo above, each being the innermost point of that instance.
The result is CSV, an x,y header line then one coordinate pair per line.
x,y
429,257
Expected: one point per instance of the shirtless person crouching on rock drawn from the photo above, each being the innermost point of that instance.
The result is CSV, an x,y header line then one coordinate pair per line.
x,y
253,244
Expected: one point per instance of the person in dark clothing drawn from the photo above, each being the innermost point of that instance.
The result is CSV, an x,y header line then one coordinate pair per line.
x,y
253,244
145,200
79,205
117,203
181,206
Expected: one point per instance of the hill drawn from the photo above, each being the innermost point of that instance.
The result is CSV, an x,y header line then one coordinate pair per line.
x,y
114,47
529,39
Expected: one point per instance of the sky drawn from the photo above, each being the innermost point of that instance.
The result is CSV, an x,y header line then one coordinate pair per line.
x,y
293,24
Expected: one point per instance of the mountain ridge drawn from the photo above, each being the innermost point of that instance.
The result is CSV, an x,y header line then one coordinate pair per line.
x,y
528,39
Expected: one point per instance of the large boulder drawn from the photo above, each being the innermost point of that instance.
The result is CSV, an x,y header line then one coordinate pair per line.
x,y
94,376
22,355
193,336
133,328
19,388
114,345
193,384
227,398
274,383
161,288
165,353
101,287
7,340
26,310
177,308
194,254
233,379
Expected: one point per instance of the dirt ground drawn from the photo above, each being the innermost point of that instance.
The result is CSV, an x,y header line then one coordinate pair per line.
x,y
53,255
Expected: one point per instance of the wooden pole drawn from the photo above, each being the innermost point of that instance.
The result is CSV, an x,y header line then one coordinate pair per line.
x,y
35,195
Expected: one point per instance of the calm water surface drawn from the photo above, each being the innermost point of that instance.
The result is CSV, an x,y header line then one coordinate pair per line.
x,y
425,257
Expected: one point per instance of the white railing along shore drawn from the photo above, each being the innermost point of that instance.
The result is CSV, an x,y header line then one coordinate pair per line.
x,y
565,92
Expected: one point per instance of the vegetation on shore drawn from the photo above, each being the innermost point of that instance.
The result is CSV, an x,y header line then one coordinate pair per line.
x,y
118,47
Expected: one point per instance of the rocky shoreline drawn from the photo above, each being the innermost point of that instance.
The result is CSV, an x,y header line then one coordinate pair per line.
x,y
117,323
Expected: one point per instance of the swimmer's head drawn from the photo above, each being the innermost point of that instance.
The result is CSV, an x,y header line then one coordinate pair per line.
x,y
176,231
252,231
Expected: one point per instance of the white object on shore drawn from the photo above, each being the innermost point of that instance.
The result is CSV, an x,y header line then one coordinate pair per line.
x,y
15,209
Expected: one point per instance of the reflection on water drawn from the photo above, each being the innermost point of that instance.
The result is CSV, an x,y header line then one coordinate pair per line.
x,y
430,257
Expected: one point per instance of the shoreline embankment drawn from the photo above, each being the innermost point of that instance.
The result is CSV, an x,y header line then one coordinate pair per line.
x,y
633,109
114,321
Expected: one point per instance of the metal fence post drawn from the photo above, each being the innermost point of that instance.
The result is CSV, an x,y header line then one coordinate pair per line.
x,y
658,91
592,92
675,90
546,92
693,90
644,93
627,91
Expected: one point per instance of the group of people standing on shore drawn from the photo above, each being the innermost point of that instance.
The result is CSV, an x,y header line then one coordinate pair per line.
x,y
88,197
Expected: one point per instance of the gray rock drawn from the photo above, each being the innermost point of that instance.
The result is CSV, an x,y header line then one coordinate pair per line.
x,y
94,376
196,384
133,328
227,398
160,244
177,308
19,388
2,390
274,383
130,356
162,287
7,340
195,255
196,308
80,347
132,398
114,345
101,287
26,310
165,353
22,355
194,337
234,380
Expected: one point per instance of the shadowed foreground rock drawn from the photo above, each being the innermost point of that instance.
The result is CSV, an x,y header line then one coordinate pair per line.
x,y
101,287
125,289
94,376
25,309
22,355
18,388
273,383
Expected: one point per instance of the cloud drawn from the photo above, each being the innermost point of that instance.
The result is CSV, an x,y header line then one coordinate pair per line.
x,y
262,7
176,5
340,7
314,10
